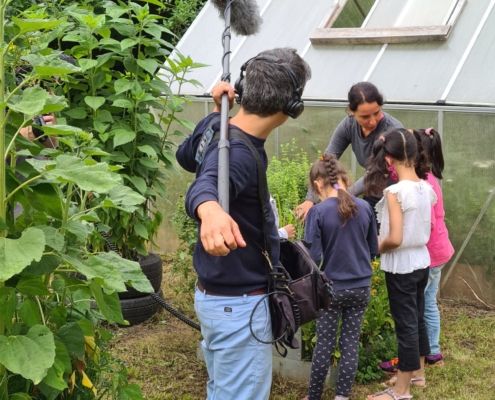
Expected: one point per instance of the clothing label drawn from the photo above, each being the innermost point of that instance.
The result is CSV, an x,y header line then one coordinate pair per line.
x,y
203,144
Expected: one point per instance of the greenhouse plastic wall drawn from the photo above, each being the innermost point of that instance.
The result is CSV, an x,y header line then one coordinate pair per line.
x,y
469,180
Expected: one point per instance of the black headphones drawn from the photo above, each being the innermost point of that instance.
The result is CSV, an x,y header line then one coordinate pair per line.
x,y
295,105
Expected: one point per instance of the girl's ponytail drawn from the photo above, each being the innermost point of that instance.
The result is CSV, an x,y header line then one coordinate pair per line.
x,y
329,170
421,161
432,145
377,172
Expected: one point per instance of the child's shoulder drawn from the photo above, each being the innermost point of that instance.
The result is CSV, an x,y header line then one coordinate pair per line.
x,y
408,191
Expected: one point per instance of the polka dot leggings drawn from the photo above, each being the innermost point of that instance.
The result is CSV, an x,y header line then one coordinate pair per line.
x,y
352,305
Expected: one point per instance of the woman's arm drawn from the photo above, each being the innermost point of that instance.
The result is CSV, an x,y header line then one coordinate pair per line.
x,y
394,238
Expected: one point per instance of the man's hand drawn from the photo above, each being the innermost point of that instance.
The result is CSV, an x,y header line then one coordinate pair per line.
x,y
303,208
219,232
217,92
291,231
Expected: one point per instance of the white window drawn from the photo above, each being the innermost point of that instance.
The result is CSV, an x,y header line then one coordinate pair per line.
x,y
388,21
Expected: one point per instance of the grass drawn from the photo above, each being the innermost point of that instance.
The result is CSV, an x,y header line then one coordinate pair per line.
x,y
161,355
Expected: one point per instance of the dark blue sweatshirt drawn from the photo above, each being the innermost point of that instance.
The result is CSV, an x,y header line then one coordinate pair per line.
x,y
244,269
346,250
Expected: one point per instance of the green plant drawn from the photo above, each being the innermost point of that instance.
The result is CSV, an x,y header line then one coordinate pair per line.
x,y
181,15
288,183
54,291
123,96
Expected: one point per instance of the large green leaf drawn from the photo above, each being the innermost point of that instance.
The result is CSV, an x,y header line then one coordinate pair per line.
x,y
20,396
72,336
131,391
109,304
124,197
53,237
30,313
100,270
17,254
50,65
44,197
31,25
131,272
122,136
31,285
29,355
60,129
78,229
94,178
122,85
149,65
31,102
46,265
8,304
61,366
94,102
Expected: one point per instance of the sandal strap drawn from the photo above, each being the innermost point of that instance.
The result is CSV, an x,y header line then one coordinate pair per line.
x,y
391,393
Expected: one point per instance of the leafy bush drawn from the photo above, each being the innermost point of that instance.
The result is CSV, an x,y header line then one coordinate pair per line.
x,y
288,182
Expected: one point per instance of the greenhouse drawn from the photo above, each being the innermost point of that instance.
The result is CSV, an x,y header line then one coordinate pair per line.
x,y
434,69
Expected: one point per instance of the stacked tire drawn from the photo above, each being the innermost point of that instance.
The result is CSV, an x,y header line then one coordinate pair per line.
x,y
138,307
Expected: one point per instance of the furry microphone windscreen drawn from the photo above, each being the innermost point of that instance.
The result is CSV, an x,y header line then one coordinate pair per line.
x,y
245,16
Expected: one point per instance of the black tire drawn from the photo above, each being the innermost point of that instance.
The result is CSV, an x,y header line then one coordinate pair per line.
x,y
153,269
140,309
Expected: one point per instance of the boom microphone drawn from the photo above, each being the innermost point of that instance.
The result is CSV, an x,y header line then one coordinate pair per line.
x,y
245,15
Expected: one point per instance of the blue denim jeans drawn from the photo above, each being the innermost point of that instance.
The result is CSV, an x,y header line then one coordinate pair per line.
x,y
432,316
239,367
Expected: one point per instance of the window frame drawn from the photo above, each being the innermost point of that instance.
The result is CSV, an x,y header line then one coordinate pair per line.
x,y
325,34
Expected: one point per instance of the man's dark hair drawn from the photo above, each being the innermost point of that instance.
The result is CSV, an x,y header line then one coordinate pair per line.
x,y
268,86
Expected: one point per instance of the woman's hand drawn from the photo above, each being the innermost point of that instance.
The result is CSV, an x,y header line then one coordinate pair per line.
x,y
303,208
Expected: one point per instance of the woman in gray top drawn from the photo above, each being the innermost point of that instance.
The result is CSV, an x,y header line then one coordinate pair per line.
x,y
364,124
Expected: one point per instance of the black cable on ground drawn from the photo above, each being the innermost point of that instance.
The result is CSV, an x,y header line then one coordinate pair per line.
x,y
174,312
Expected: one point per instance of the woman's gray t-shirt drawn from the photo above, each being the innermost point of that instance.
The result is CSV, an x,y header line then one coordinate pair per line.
x,y
349,132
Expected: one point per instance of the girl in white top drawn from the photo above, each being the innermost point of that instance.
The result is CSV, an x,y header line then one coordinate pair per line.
x,y
405,216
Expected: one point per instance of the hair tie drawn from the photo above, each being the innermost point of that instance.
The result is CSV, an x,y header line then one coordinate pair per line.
x,y
428,133
382,138
322,158
336,186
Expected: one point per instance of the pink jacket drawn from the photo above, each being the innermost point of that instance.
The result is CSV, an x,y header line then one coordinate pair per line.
x,y
439,245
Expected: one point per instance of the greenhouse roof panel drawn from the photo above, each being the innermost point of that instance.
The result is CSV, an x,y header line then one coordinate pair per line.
x,y
475,82
421,72
411,73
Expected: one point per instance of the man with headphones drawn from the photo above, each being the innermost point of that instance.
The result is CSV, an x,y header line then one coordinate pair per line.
x,y
228,258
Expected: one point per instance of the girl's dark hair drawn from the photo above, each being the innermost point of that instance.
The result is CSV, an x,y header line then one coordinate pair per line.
x,y
329,170
363,92
401,145
432,145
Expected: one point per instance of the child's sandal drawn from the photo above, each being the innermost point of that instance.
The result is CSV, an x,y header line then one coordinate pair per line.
x,y
391,393
416,382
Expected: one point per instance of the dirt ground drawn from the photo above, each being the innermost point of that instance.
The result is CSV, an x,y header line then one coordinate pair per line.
x,y
161,353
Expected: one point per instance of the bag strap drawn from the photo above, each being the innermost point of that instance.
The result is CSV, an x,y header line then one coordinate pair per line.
x,y
262,188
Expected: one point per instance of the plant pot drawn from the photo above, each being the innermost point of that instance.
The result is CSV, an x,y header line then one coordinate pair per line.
x,y
152,267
